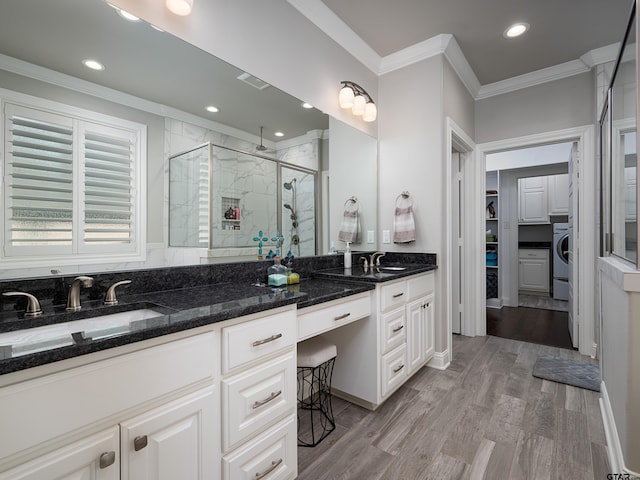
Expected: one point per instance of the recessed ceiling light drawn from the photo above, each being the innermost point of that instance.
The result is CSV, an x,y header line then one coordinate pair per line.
x,y
516,30
180,7
279,134
93,64
307,105
212,109
127,16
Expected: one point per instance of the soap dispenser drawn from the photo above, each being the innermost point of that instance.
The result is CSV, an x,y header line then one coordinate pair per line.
x,y
277,274
347,256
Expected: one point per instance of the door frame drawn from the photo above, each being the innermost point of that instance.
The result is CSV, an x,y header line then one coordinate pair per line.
x,y
457,138
584,207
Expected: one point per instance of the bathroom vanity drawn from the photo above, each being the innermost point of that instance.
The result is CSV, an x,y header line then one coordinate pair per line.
x,y
216,374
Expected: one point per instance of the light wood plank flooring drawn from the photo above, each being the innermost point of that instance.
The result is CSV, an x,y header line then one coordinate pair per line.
x,y
485,417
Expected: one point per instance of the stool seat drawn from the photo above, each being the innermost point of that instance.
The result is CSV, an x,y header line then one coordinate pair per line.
x,y
315,351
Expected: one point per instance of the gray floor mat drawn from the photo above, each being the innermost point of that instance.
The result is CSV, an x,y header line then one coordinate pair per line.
x,y
571,372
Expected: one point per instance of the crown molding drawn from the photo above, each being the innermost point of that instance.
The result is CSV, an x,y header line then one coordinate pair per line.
x,y
321,16
327,21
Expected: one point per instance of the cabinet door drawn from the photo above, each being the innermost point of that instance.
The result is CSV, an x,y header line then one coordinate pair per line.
x,y
429,334
415,334
533,275
92,458
559,194
172,441
533,202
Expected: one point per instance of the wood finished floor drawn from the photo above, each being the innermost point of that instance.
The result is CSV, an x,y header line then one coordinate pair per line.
x,y
535,325
485,417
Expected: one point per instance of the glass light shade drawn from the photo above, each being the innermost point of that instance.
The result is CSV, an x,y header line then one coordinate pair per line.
x,y
370,112
359,104
346,97
180,7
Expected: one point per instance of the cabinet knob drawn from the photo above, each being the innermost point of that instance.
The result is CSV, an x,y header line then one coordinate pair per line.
x,y
140,442
107,459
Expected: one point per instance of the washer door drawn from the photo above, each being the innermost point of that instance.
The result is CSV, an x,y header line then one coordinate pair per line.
x,y
562,248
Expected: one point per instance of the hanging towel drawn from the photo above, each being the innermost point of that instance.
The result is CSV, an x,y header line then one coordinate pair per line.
x,y
349,226
404,226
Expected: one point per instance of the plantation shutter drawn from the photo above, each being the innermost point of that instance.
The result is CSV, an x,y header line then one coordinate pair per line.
x,y
108,208
38,181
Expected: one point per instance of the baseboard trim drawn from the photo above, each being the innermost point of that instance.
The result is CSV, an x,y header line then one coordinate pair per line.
x,y
614,449
440,360
352,399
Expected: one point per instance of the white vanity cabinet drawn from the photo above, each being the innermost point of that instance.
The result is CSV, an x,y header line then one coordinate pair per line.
x,y
377,355
145,414
258,389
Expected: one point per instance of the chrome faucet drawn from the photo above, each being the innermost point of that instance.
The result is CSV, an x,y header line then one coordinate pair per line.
x,y
375,258
110,297
73,301
33,306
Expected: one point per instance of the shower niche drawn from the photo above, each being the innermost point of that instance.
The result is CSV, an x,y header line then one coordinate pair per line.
x,y
220,198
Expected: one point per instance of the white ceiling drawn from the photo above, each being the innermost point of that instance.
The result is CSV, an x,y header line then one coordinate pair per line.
x,y
561,30
149,64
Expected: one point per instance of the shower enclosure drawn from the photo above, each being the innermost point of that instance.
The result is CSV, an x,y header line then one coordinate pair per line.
x,y
221,198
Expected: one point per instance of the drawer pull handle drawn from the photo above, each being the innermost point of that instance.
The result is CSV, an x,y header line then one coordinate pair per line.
x,y
273,466
140,442
342,317
107,459
396,370
398,328
398,295
267,400
267,340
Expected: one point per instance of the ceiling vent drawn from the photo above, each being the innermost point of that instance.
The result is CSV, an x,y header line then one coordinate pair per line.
x,y
253,81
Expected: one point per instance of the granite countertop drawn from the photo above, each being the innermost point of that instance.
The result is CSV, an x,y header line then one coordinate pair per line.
x,y
179,310
534,245
384,273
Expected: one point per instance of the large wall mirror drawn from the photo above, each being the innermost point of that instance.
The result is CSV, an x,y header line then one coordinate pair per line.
x,y
623,224
153,78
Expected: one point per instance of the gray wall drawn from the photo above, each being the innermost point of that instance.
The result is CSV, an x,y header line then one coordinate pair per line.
x,y
458,103
564,103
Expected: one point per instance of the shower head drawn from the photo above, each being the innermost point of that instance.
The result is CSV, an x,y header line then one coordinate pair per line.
x,y
288,207
261,147
289,185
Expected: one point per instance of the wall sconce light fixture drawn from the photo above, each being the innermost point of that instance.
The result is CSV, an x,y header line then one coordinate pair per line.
x,y
180,7
356,98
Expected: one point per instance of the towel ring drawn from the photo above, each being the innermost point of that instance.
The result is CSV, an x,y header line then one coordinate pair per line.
x,y
353,203
404,196
352,199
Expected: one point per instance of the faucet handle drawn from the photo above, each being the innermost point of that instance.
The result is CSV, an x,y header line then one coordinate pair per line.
x,y
110,296
33,306
365,264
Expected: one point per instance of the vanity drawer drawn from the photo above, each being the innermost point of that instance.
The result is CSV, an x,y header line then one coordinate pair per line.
x,y
251,340
272,456
393,295
393,327
257,398
394,370
332,315
420,286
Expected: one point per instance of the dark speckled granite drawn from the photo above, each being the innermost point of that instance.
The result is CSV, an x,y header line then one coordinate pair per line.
x,y
188,297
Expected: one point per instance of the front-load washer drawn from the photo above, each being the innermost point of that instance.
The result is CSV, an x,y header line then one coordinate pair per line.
x,y
561,261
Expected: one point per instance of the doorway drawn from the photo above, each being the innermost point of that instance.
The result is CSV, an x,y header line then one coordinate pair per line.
x,y
583,208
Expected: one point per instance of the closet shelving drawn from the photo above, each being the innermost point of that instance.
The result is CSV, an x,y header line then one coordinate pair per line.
x,y
492,223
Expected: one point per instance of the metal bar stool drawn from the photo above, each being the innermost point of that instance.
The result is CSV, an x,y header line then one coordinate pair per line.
x,y
316,358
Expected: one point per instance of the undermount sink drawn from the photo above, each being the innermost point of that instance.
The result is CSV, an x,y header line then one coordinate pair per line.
x,y
38,339
393,269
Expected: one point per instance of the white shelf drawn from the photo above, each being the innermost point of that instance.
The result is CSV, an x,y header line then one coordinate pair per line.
x,y
491,266
491,243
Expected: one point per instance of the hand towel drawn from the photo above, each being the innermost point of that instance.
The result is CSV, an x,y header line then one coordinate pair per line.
x,y
404,227
349,226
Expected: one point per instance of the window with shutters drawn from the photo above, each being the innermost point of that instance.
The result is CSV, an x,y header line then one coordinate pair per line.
x,y
73,190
